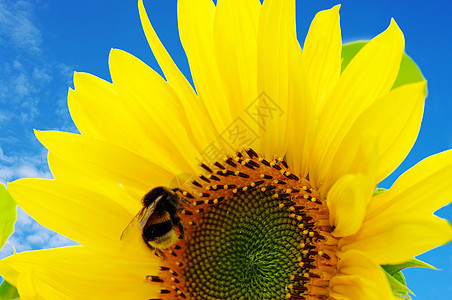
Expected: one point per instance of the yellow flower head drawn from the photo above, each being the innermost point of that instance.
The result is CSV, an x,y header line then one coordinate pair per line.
x,y
259,182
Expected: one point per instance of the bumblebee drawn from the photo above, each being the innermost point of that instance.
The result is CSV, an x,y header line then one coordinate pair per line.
x,y
158,219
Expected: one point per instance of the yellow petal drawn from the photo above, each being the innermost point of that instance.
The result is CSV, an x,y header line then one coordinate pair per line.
x,y
172,73
276,35
195,111
96,160
95,92
358,154
396,238
424,188
79,273
397,119
99,111
300,116
235,54
322,54
359,277
347,201
75,173
369,76
235,34
135,81
81,214
399,223
390,125
196,20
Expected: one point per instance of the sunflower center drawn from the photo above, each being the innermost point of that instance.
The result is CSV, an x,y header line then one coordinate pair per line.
x,y
254,230
246,247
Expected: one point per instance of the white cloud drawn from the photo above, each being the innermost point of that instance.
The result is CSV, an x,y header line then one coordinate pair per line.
x,y
16,25
28,72
8,140
29,109
28,171
19,243
31,83
4,158
60,241
7,250
30,235
17,64
41,74
22,85
16,166
23,218
8,174
66,71
4,116
38,239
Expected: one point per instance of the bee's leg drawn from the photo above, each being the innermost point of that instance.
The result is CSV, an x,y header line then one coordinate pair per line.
x,y
147,244
178,223
159,253
186,201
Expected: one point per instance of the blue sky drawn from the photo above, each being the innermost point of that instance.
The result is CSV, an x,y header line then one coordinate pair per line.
x,y
43,42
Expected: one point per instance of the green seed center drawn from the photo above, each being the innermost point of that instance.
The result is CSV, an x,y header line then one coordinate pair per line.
x,y
246,247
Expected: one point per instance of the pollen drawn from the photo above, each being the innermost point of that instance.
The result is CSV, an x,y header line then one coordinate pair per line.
x,y
258,232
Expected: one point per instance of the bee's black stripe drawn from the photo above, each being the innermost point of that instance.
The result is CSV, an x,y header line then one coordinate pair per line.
x,y
154,231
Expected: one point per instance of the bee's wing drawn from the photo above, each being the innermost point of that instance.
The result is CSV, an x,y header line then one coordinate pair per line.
x,y
134,221
140,218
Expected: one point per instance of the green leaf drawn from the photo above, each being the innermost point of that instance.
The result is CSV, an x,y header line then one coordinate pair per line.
x,y
409,72
8,292
398,285
393,269
8,215
400,277
379,191
396,278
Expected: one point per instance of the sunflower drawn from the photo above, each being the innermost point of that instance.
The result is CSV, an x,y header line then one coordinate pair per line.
x,y
274,157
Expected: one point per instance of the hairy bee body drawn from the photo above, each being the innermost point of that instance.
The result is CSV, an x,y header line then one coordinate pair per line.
x,y
158,219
